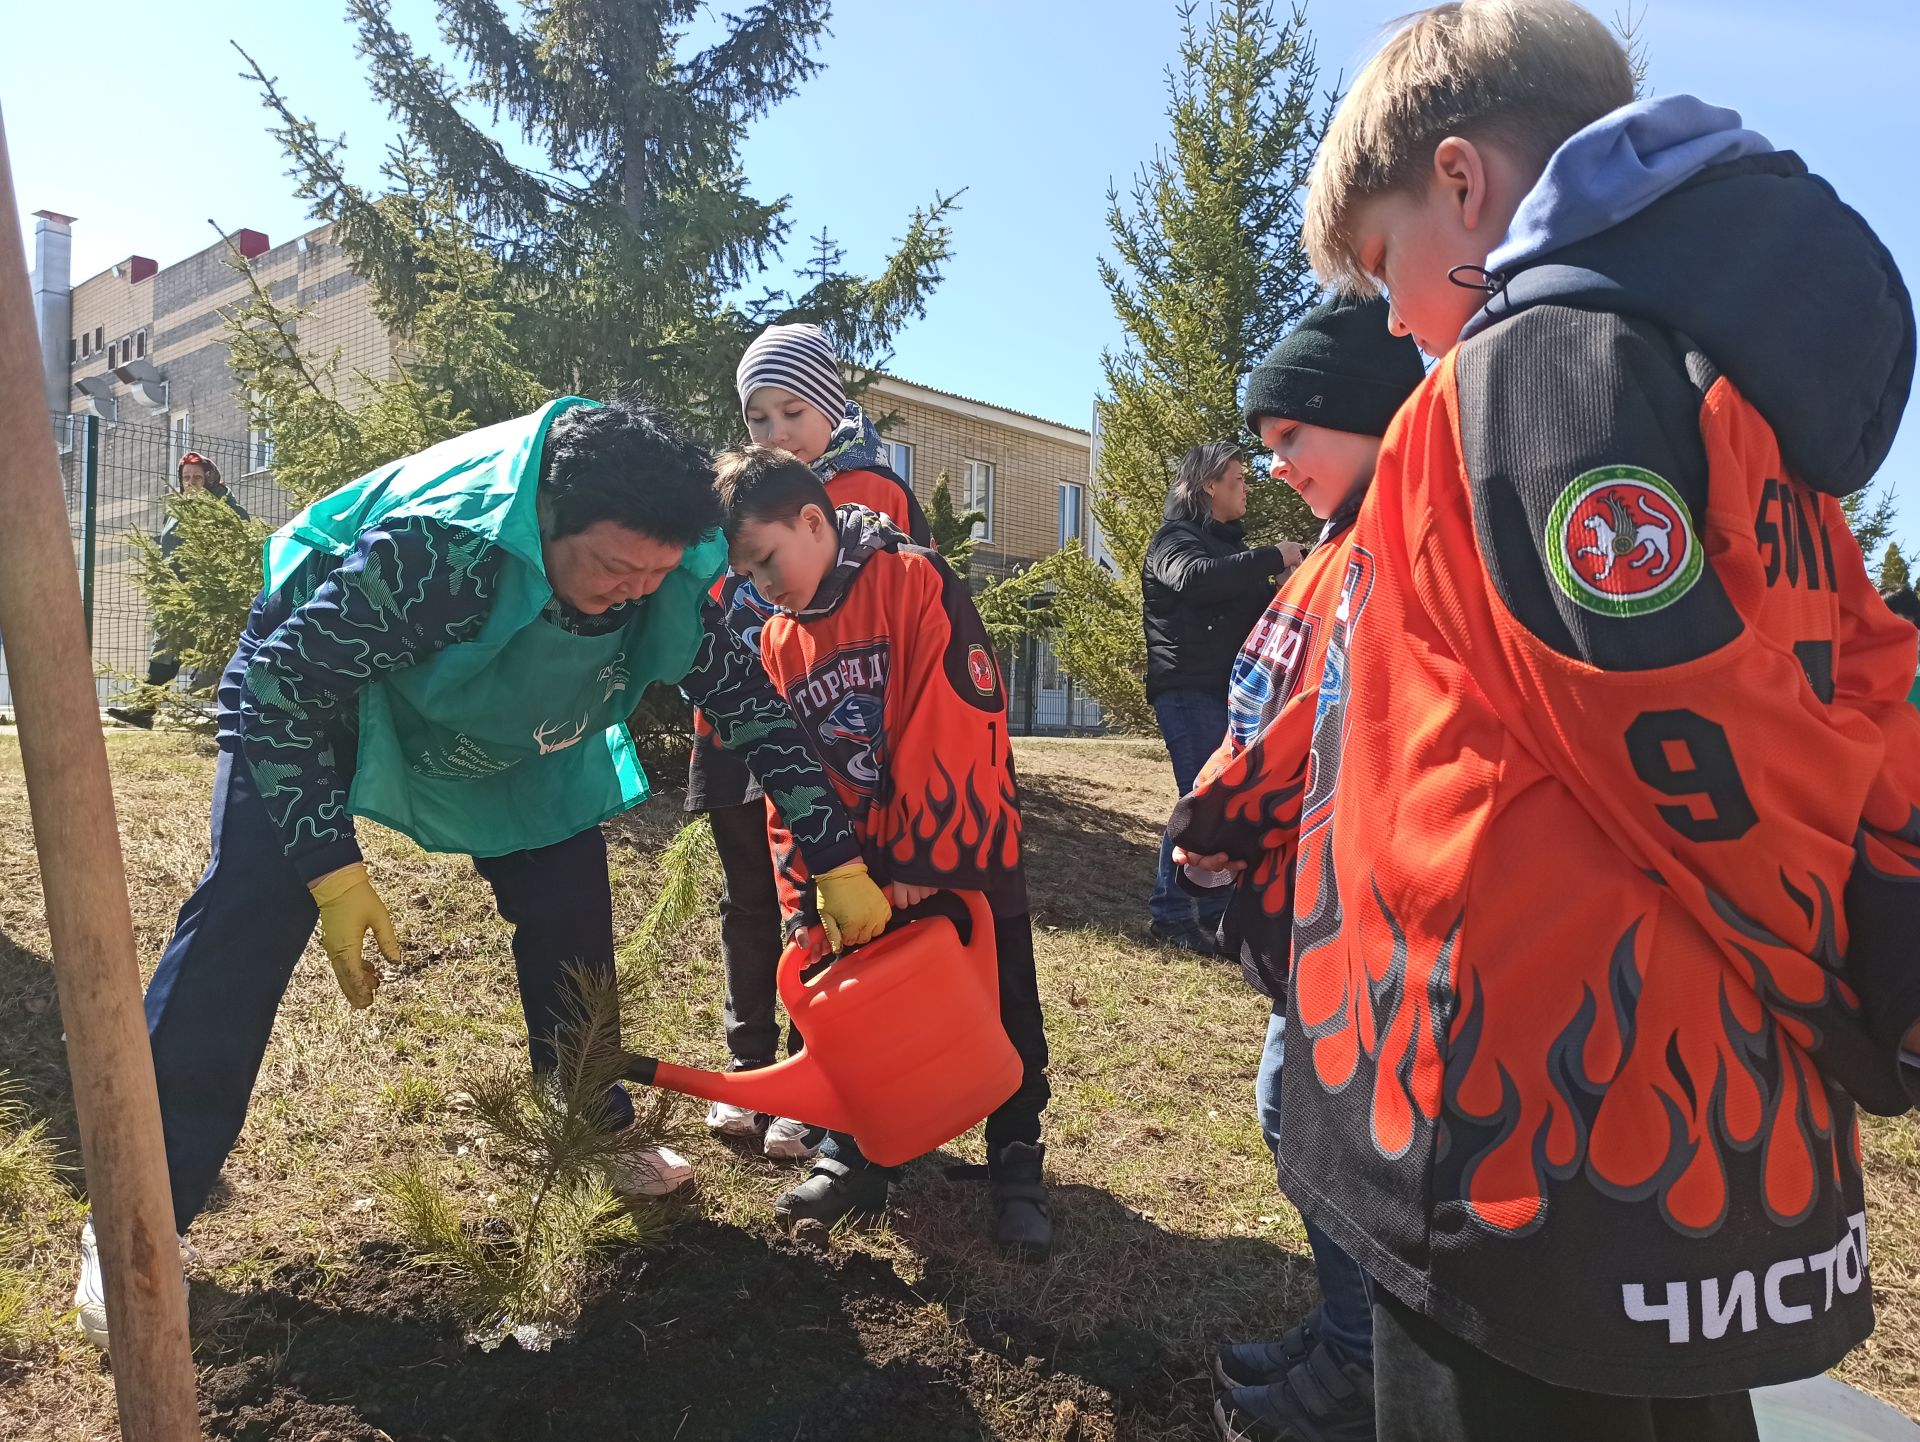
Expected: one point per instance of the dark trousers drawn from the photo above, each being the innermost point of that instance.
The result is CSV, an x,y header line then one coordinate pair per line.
x,y
211,1004
1429,1386
1017,1119
749,933
1193,724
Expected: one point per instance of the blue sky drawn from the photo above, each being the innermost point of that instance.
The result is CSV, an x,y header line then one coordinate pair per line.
x,y
142,128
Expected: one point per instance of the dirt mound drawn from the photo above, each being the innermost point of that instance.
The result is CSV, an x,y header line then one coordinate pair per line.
x,y
720,1335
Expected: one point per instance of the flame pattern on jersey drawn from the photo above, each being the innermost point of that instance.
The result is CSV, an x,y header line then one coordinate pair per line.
x,y
893,633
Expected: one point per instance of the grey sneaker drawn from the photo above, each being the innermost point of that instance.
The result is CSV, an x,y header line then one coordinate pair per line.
x,y
648,1172
727,1120
792,1140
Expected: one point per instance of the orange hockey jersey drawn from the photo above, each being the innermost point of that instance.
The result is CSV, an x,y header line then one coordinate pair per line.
x,y
1246,800
1608,718
893,678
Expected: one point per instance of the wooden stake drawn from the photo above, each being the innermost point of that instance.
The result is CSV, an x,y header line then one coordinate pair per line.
x,y
74,832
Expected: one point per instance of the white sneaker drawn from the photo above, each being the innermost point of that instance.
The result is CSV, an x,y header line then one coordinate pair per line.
x,y
649,1172
732,1121
90,1292
792,1140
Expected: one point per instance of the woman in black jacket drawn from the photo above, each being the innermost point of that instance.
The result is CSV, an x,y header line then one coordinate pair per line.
x,y
1202,589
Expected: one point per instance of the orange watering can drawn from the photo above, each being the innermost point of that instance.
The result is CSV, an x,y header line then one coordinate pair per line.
x,y
905,1049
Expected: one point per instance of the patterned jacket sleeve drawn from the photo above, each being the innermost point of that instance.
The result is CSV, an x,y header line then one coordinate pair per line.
x,y
401,594
749,718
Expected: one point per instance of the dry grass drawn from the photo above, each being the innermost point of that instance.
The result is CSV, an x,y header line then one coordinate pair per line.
x,y
1171,1230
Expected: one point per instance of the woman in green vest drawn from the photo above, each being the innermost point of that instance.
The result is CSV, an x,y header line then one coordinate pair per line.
x,y
450,646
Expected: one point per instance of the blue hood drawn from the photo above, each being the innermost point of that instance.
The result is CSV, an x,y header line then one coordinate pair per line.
x,y
1617,167
1667,211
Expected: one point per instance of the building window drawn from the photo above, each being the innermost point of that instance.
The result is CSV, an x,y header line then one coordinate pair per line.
x,y
980,497
113,354
1049,669
99,337
86,345
898,456
259,438
1072,513
182,436
73,349
140,344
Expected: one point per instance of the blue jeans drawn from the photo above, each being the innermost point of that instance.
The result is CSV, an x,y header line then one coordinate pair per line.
x,y
1192,723
211,1004
1344,1318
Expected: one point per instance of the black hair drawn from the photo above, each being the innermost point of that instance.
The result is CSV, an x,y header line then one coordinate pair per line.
x,y
1902,601
629,463
758,483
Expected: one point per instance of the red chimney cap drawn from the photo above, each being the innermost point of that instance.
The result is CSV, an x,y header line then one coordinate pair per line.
x,y
251,243
142,267
56,217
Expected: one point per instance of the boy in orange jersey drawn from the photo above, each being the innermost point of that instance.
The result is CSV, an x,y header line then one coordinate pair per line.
x,y
1319,403
1609,853
791,398
894,681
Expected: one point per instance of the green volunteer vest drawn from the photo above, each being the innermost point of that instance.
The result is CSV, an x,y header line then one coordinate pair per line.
x,y
517,738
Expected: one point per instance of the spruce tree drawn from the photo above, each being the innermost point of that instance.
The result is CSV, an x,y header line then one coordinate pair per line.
x,y
1207,274
632,252
951,529
1893,570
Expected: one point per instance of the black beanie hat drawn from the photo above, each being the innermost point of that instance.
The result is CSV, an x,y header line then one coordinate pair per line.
x,y
1340,368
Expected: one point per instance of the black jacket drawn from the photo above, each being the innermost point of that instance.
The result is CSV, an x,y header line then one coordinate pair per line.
x,y
1202,591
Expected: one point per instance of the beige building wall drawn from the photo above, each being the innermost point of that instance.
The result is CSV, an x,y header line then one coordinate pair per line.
x,y
1031,460
174,319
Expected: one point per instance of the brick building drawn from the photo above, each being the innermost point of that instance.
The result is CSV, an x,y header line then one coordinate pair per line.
x,y
146,345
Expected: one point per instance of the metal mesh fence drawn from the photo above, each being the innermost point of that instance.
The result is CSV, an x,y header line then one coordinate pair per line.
x,y
117,478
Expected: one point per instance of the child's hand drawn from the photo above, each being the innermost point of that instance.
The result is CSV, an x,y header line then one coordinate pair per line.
x,y
904,894
1292,553
1216,861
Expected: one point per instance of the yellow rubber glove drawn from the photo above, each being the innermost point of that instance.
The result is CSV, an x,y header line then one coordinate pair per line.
x,y
852,908
349,909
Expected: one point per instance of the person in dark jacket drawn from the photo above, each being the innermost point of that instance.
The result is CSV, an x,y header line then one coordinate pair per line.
x,y
1202,589
195,475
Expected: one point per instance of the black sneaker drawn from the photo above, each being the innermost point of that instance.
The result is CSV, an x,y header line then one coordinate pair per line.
x,y
1184,938
1319,1400
832,1190
1255,1364
1022,1217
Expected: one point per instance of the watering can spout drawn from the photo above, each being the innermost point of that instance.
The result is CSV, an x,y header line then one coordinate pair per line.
x,y
797,1087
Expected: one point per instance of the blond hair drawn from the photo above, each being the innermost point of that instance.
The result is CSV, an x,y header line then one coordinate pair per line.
x,y
1527,73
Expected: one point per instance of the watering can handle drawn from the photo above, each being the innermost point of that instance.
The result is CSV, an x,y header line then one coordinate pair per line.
x,y
811,945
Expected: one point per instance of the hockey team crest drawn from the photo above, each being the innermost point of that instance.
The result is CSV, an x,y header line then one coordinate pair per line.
x,y
980,668
1619,542
842,704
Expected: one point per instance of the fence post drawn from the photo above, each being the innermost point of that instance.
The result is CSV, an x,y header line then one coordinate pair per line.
x,y
89,515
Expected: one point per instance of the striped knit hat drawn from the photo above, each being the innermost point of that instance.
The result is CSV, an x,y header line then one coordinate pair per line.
x,y
796,358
